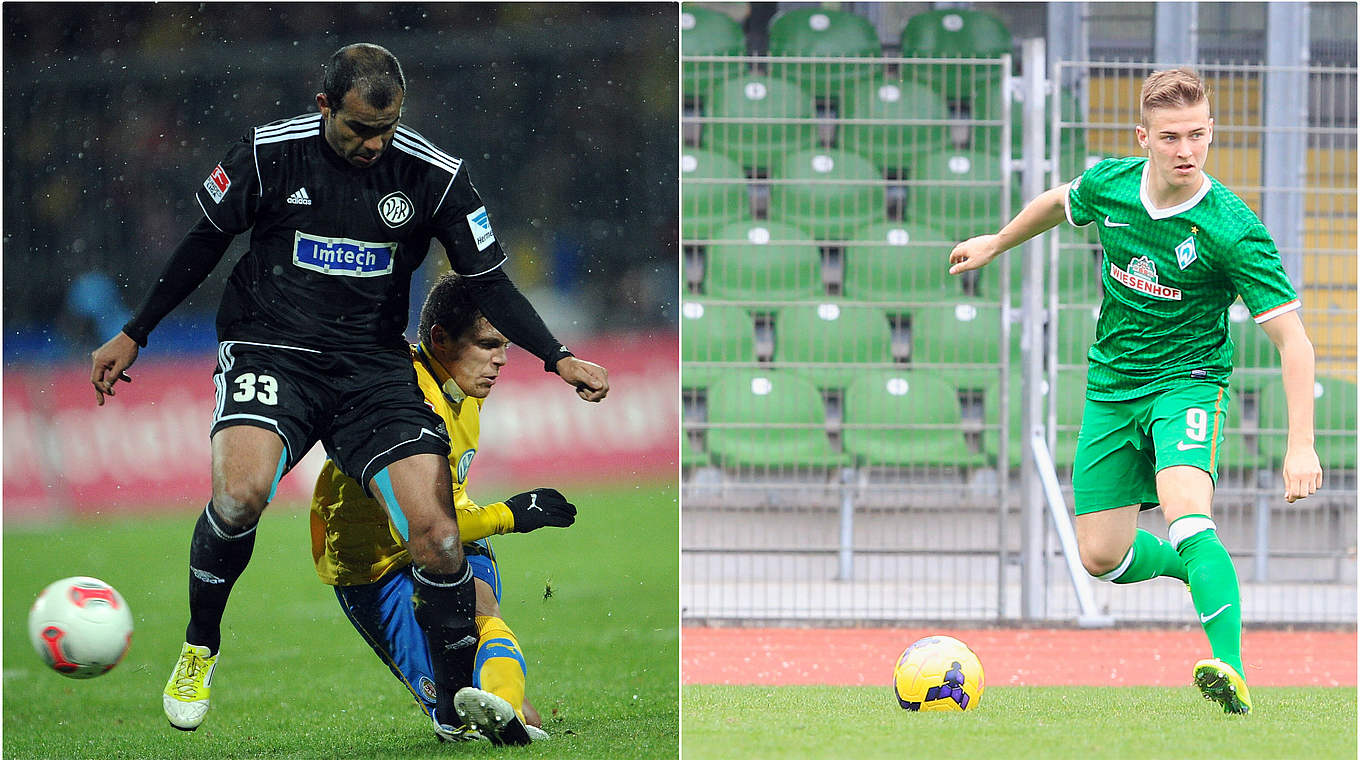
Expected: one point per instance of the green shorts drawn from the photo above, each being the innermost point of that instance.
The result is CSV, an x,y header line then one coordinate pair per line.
x,y
1122,444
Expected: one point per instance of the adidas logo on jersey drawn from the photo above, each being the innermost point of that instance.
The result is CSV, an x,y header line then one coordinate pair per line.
x,y
300,197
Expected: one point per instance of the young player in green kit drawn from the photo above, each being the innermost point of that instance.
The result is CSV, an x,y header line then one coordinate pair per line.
x,y
1179,248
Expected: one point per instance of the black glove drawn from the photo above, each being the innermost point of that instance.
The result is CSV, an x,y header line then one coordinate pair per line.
x,y
541,508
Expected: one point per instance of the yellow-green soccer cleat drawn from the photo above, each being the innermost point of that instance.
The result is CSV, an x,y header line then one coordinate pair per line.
x,y
1219,682
447,733
186,693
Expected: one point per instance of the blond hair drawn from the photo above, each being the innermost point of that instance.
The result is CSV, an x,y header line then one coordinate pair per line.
x,y
1171,88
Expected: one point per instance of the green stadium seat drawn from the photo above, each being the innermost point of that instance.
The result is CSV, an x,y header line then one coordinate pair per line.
x,y
895,261
774,108
713,333
1252,348
1071,401
1076,333
823,33
958,210
1079,265
905,398
956,33
707,32
959,333
691,455
830,193
1073,147
1078,270
1334,415
834,340
789,408
893,146
705,206
765,261
1242,447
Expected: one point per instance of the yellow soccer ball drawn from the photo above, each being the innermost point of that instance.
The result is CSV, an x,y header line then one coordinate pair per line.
x,y
938,673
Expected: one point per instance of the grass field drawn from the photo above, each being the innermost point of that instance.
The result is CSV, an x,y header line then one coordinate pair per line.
x,y
1137,723
296,681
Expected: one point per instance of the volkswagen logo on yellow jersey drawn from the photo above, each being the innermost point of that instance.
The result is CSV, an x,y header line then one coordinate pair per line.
x,y
465,464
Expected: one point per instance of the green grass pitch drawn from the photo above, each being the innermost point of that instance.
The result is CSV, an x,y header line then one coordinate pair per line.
x,y
1015,723
296,681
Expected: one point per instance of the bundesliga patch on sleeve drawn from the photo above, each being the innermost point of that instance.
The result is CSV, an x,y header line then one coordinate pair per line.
x,y
217,183
480,224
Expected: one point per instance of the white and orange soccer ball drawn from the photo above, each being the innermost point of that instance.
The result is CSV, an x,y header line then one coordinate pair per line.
x,y
938,673
81,627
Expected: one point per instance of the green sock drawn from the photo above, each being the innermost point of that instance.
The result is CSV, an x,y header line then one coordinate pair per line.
x,y
1149,557
1213,586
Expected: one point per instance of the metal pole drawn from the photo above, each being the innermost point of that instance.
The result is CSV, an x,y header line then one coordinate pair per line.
x,y
1089,616
1032,338
1286,152
847,548
1176,33
1003,399
1265,481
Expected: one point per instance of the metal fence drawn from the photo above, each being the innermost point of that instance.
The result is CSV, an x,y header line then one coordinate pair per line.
x,y
852,412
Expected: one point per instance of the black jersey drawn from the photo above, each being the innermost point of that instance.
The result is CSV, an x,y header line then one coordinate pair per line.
x,y
333,246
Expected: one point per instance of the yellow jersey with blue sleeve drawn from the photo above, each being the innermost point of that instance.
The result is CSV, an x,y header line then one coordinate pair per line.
x,y
353,541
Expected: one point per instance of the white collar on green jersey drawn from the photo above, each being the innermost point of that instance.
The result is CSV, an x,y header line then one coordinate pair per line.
x,y
1180,208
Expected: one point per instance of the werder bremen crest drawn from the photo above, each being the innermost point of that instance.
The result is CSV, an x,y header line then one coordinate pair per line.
x,y
1185,252
1142,277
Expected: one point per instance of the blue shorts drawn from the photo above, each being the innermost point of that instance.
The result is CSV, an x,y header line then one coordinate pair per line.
x,y
383,615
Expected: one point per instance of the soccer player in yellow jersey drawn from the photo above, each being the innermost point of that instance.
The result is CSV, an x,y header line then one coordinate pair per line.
x,y
360,550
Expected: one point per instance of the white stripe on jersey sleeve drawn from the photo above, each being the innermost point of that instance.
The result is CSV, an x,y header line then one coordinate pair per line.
x,y
440,204
415,150
1067,207
206,215
311,131
306,120
1283,308
418,140
307,125
489,269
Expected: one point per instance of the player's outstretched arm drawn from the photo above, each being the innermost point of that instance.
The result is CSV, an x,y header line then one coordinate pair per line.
x,y
1039,215
541,508
1302,471
110,360
189,265
590,380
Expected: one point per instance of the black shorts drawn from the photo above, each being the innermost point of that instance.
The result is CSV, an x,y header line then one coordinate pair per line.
x,y
365,408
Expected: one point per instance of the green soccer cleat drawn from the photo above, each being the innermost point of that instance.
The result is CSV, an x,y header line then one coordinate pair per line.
x,y
1219,682
186,693
491,715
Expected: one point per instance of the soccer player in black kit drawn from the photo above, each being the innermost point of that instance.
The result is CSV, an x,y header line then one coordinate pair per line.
x,y
341,206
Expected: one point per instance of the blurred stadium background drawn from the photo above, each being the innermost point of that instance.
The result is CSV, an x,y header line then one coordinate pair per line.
x,y
565,115
852,414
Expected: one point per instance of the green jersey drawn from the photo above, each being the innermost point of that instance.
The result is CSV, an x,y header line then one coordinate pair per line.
x,y
1169,276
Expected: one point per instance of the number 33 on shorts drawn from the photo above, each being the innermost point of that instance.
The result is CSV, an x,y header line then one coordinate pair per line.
x,y
252,395
262,388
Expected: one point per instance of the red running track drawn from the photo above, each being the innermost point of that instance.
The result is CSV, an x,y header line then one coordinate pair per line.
x,y
1014,657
